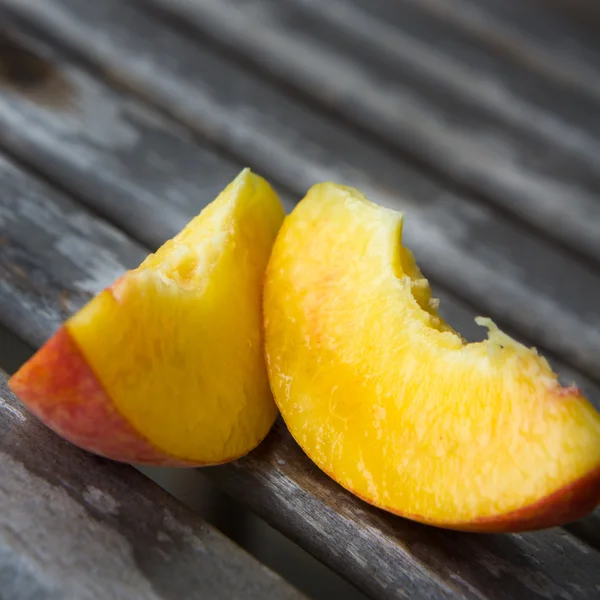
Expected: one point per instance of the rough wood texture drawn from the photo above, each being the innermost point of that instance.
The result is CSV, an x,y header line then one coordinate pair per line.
x,y
558,37
386,556
469,247
525,141
77,527
588,529
126,161
52,256
282,486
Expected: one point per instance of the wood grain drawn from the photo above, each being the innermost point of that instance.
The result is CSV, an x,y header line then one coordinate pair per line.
x,y
557,37
53,257
385,556
77,527
280,484
529,143
123,159
469,247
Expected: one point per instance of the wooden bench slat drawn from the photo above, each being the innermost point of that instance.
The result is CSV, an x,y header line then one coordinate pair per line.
x,y
280,484
470,248
543,37
387,557
87,255
403,79
124,159
556,36
587,529
74,526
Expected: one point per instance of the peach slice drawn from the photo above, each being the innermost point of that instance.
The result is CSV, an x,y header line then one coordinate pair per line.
x,y
393,404
167,365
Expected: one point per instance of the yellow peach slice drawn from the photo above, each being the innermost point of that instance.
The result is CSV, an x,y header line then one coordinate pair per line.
x,y
167,365
393,404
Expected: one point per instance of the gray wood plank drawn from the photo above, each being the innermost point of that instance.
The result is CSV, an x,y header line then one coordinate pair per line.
x,y
122,158
556,36
524,141
39,225
279,483
385,556
587,529
469,247
77,527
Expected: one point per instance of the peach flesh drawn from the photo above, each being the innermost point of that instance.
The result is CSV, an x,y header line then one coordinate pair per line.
x,y
53,383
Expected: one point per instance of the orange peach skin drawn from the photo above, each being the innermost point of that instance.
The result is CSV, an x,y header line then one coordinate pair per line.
x,y
573,502
52,385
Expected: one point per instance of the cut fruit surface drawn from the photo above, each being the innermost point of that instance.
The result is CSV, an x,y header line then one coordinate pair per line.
x,y
167,365
393,404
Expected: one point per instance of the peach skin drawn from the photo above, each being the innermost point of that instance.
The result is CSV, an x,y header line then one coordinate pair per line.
x,y
393,404
166,366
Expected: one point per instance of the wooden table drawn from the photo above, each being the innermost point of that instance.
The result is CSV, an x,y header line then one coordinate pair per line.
x,y
121,119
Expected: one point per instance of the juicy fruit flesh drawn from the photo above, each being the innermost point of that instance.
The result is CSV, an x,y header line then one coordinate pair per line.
x,y
177,343
387,399
59,387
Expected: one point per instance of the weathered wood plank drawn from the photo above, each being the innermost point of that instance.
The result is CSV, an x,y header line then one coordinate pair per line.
x,y
39,228
385,556
405,33
587,529
524,141
558,37
280,484
122,158
470,248
77,527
